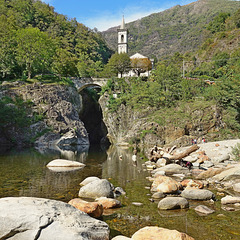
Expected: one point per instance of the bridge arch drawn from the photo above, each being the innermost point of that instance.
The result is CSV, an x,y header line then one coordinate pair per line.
x,y
88,85
81,83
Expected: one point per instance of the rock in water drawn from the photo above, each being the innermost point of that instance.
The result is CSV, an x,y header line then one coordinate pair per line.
x,y
97,189
88,180
62,165
35,218
203,210
230,200
169,203
157,233
93,209
109,202
197,194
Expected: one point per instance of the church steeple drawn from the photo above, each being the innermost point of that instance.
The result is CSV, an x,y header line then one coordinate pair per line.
x,y
122,38
123,23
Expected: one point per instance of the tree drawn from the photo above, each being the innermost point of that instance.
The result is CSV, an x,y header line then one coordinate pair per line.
x,y
34,50
141,65
119,63
65,63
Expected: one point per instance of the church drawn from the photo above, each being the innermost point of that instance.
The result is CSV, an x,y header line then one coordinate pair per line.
x,y
137,57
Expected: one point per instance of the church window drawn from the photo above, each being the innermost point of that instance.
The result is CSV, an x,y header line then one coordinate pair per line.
x,y
122,38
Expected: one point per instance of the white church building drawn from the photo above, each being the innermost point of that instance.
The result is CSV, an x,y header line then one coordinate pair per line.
x,y
123,48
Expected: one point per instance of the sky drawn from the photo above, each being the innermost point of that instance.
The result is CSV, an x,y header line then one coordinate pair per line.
x,y
103,14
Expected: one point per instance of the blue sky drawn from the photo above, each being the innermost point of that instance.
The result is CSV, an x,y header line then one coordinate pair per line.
x,y
103,14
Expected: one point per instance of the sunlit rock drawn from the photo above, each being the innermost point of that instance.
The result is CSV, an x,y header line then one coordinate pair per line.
x,y
154,233
93,209
97,189
109,202
230,200
61,165
38,218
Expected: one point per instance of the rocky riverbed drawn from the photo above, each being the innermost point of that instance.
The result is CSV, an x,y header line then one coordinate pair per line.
x,y
174,191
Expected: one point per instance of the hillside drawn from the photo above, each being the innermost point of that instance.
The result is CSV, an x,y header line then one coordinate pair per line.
x,y
35,39
178,29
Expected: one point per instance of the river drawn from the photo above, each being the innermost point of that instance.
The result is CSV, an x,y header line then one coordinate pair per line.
x,y
24,173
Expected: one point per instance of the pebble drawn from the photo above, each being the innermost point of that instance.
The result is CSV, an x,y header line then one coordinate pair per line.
x,y
138,204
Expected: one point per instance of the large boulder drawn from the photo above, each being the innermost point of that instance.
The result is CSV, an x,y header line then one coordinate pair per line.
x,y
165,184
198,194
43,219
210,173
97,189
169,203
88,180
93,209
157,233
229,174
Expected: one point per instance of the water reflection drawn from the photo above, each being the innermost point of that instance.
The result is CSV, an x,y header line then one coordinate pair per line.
x,y
121,165
24,173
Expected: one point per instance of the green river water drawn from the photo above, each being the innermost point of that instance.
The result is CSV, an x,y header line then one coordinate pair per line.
x,y
24,173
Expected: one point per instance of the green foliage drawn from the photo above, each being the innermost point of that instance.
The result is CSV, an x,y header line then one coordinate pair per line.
x,y
218,23
236,18
178,29
34,50
236,152
34,39
14,112
119,63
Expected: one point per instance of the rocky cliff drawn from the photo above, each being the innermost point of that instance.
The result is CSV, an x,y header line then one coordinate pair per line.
x,y
57,108
191,120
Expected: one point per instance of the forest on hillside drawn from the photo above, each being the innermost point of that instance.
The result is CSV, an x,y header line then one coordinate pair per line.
x,y
178,29
34,39
207,77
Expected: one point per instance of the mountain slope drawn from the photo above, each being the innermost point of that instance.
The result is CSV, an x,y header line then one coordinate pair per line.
x,y
178,29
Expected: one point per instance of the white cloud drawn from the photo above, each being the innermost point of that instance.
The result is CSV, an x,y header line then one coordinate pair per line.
x,y
107,20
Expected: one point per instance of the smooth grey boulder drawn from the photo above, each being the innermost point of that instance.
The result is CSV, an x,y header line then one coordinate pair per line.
x,y
198,194
27,218
169,203
97,189
88,180
202,209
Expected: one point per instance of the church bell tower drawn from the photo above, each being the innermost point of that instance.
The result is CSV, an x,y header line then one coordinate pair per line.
x,y
122,38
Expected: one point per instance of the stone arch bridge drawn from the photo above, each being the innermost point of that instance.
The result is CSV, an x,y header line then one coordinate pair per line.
x,y
81,83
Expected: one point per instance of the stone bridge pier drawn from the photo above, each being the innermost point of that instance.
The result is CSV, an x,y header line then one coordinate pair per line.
x,y
81,83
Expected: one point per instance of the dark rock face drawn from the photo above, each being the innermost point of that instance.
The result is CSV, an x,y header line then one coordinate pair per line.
x,y
92,117
60,106
129,125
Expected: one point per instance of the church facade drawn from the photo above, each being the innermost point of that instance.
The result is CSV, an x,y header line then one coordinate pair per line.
x,y
123,48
